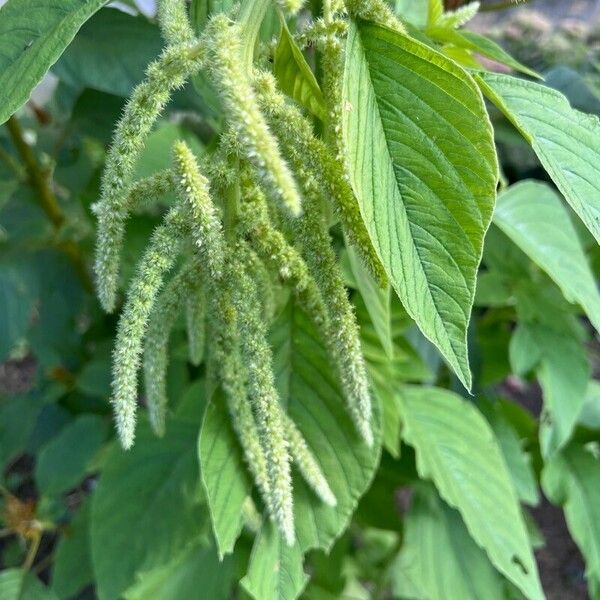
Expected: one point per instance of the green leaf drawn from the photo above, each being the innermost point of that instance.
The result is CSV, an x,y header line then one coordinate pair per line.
x,y
308,386
438,556
563,371
33,34
146,506
480,44
224,475
295,76
423,166
72,567
192,572
566,141
532,215
65,460
572,480
517,460
110,53
275,569
457,450
575,87
16,584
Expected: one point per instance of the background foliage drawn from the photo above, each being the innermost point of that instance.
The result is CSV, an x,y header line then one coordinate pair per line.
x,y
444,510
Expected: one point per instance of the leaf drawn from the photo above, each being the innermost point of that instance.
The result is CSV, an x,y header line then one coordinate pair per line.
x,y
33,34
193,571
224,475
72,567
294,75
110,53
146,506
566,141
438,556
574,86
563,371
423,166
275,570
572,480
532,215
65,460
308,386
469,40
376,299
457,450
16,584
517,460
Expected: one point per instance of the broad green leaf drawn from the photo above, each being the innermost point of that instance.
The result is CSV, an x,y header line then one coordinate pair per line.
x,y
16,584
33,34
72,566
563,370
110,53
590,412
295,76
192,573
377,301
517,460
438,556
66,459
435,10
275,570
457,450
566,141
413,11
532,215
423,166
572,479
146,506
224,476
308,387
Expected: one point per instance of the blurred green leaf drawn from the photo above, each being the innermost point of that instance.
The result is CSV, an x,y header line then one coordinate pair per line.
x,y
146,507
17,584
72,567
110,53
65,460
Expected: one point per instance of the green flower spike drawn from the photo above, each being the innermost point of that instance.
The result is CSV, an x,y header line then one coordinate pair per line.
x,y
377,11
343,338
156,348
290,7
257,356
148,100
204,220
159,257
307,464
195,313
306,151
174,22
245,118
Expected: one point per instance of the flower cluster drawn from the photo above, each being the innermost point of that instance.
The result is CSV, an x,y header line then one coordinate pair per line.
x,y
251,217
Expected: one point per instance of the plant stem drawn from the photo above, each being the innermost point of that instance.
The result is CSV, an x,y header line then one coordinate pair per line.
x,y
38,179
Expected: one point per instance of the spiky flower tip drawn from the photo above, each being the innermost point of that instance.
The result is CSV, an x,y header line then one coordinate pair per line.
x,y
290,7
204,219
307,464
195,314
343,341
174,21
263,395
156,348
256,141
159,257
377,11
308,152
148,100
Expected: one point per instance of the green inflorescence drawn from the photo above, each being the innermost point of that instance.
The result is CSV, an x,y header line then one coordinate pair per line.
x,y
250,220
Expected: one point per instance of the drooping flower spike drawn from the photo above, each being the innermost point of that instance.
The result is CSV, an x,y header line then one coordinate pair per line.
x,y
148,100
174,22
